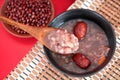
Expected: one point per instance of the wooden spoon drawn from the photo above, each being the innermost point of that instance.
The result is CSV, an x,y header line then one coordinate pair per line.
x,y
38,33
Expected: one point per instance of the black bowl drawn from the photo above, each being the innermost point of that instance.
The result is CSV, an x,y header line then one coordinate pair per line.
x,y
88,15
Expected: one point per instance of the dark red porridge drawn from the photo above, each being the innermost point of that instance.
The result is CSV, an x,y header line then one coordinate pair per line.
x,y
93,47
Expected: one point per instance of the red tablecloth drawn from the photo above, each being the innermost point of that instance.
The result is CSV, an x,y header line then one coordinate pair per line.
x,y
13,49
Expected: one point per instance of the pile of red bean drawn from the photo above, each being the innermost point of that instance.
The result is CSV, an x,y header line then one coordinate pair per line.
x,y
30,12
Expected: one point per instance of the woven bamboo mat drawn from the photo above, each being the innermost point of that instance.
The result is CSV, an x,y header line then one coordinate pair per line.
x,y
35,66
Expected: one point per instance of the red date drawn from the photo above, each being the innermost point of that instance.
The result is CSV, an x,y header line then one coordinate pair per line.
x,y
81,60
80,30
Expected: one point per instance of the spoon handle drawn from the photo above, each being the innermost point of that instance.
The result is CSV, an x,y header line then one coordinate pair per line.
x,y
38,33
30,29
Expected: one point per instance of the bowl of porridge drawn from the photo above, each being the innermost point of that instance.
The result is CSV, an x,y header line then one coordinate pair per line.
x,y
96,42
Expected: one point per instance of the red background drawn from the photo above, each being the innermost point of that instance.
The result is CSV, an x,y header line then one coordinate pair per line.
x,y
13,49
